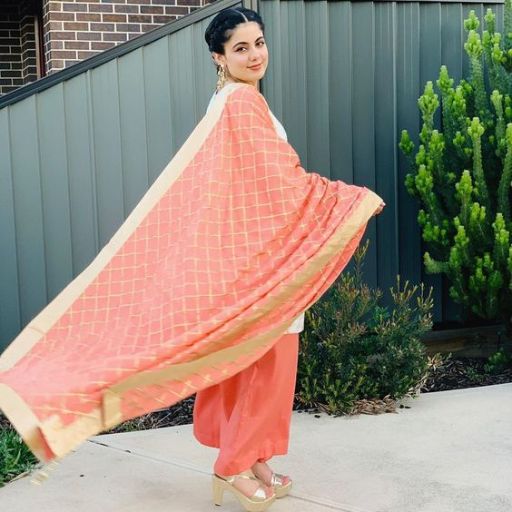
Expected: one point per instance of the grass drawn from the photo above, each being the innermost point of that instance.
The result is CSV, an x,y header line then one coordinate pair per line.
x,y
15,457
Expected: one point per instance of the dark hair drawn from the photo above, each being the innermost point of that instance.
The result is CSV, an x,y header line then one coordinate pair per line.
x,y
220,28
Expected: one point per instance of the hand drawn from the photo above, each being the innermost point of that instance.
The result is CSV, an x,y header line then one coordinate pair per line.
x,y
380,208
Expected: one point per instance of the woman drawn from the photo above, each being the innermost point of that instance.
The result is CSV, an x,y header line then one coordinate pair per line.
x,y
245,421
197,288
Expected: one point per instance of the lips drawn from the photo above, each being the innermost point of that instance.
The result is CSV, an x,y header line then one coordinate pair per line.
x,y
256,67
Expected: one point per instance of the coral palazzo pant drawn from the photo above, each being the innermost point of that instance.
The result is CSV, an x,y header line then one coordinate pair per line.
x,y
248,415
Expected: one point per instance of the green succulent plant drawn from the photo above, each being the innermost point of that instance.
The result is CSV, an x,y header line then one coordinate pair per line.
x,y
462,174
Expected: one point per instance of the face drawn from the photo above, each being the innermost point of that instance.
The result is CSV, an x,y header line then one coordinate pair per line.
x,y
245,49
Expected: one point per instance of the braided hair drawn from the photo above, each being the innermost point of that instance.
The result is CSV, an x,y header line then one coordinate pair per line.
x,y
221,28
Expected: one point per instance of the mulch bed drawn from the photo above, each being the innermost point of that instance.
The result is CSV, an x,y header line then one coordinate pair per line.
x,y
452,373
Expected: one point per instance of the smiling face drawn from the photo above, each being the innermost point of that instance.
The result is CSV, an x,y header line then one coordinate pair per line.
x,y
245,49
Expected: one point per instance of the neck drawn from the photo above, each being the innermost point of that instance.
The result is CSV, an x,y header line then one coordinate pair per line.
x,y
234,81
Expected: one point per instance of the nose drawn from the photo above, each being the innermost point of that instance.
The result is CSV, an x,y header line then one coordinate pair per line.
x,y
254,54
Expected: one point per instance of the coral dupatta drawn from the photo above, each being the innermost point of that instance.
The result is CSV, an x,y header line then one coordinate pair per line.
x,y
230,244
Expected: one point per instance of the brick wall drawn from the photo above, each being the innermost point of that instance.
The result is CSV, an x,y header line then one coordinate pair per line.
x,y
19,63
75,30
11,76
29,43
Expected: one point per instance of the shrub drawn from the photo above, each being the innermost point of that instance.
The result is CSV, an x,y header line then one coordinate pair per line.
x,y
462,175
354,349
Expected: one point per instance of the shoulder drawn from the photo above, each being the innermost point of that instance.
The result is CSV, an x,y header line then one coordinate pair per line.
x,y
246,98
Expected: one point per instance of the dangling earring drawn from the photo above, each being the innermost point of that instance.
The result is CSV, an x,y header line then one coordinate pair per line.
x,y
222,77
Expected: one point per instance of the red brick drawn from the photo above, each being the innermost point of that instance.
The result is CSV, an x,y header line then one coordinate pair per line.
x,y
54,25
147,27
177,10
56,45
126,8
116,18
54,6
64,54
88,16
139,18
114,37
64,36
127,27
103,27
77,45
89,36
162,19
62,16
101,8
74,7
101,46
151,9
76,26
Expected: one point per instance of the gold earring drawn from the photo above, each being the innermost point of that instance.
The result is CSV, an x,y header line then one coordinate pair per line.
x,y
222,77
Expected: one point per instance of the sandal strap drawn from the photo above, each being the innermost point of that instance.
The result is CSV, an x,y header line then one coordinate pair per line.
x,y
259,493
232,478
277,479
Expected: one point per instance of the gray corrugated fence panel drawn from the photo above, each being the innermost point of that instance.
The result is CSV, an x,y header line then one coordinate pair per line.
x,y
28,208
340,66
407,93
134,151
51,130
184,115
78,154
157,85
10,321
363,114
317,86
107,149
385,147
368,63
82,184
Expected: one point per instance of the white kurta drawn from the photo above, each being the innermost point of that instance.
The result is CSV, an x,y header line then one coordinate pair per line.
x,y
298,323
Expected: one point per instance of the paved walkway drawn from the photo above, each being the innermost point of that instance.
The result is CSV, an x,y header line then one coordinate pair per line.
x,y
448,452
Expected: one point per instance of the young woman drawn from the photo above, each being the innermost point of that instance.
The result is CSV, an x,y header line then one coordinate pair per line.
x,y
200,290
248,416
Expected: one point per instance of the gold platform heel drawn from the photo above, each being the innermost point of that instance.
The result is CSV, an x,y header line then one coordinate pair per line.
x,y
280,488
258,502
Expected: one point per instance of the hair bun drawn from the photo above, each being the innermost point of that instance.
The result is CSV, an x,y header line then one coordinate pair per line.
x,y
218,31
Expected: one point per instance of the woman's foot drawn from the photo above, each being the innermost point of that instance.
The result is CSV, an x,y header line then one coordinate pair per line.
x,y
249,486
252,494
280,483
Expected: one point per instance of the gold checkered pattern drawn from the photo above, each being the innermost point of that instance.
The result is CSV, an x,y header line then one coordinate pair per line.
x,y
210,270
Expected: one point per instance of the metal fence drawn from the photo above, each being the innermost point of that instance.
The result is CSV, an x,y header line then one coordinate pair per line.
x,y
79,148
345,78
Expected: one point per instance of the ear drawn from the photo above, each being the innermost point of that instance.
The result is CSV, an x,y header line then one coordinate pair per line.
x,y
218,58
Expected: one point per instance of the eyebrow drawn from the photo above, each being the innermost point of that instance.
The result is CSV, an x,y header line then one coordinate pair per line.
x,y
243,42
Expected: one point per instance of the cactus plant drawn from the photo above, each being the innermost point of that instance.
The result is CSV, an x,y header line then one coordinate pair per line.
x,y
462,175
